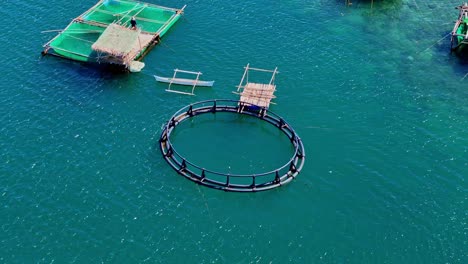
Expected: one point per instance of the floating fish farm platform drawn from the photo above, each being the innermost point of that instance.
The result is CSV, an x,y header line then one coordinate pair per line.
x,y
104,33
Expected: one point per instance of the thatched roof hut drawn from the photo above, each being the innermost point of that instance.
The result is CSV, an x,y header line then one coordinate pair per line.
x,y
117,41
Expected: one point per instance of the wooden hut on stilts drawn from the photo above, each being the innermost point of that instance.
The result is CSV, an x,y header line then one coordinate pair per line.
x,y
256,96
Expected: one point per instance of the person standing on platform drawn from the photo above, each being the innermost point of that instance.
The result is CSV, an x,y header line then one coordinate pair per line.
x,y
133,23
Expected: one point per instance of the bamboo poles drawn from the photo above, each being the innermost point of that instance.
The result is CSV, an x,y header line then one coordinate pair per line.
x,y
259,94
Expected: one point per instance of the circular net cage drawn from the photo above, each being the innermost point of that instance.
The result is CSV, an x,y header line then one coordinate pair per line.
x,y
261,181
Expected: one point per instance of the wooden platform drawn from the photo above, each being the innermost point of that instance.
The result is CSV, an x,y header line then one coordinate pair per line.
x,y
120,45
258,94
144,40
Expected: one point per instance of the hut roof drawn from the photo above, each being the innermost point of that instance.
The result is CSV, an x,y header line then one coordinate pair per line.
x,y
116,40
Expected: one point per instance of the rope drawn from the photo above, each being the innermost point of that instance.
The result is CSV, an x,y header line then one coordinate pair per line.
x,y
464,77
139,18
139,11
80,39
126,13
84,32
206,205
434,44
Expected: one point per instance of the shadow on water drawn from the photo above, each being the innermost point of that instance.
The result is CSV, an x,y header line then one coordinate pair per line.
x,y
89,70
92,77
459,62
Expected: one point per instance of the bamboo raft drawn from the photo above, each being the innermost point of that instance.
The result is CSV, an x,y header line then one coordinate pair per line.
x,y
256,94
104,34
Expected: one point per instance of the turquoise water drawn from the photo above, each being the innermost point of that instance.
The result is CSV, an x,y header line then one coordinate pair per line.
x,y
253,147
379,102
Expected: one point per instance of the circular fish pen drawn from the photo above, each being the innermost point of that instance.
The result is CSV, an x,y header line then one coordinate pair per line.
x,y
227,181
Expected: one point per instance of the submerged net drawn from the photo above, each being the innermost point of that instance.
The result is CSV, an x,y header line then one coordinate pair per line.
x,y
75,42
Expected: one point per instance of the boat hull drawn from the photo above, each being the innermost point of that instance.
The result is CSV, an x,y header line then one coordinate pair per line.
x,y
182,81
460,32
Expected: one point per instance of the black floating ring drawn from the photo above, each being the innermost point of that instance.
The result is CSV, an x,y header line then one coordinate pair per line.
x,y
225,181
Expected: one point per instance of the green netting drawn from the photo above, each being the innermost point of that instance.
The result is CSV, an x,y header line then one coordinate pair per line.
x,y
461,30
149,18
75,42
169,25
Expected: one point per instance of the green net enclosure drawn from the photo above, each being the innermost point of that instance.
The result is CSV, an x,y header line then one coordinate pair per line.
x,y
77,39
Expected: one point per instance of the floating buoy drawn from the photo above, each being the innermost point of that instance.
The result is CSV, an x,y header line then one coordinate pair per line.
x,y
136,66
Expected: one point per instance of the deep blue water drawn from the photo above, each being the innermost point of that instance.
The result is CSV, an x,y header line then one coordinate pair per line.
x,y
378,100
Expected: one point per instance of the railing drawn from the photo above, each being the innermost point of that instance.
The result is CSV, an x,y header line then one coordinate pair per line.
x,y
226,181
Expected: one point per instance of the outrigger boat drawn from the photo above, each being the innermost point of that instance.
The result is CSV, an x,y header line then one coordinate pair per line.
x,y
184,81
460,31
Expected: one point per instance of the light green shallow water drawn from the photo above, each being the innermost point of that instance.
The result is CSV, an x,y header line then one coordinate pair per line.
x,y
378,100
